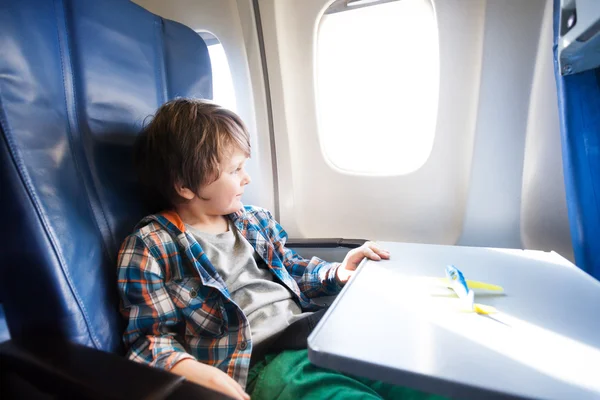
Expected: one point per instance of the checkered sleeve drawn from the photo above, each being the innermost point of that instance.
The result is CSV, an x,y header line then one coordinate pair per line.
x,y
315,277
150,336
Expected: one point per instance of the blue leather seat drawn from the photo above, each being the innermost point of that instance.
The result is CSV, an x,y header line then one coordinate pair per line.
x,y
77,80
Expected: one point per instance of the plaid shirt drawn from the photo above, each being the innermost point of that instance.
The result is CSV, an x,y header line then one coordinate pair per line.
x,y
178,306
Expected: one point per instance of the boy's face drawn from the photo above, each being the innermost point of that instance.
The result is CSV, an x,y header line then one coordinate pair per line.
x,y
224,196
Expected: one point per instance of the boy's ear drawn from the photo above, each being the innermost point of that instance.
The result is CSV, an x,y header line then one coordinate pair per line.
x,y
184,192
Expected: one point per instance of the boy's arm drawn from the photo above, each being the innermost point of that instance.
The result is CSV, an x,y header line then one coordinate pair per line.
x,y
315,277
151,314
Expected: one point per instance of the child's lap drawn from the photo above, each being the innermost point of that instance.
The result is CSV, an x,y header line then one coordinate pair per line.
x,y
290,375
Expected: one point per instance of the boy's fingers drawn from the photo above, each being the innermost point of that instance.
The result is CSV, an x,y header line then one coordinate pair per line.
x,y
230,391
230,387
381,252
371,254
372,246
244,394
238,388
384,253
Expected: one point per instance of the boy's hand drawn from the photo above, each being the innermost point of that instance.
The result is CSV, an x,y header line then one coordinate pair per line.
x,y
355,256
210,377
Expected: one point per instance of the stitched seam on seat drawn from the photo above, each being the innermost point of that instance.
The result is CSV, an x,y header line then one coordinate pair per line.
x,y
27,183
91,187
60,8
161,66
30,191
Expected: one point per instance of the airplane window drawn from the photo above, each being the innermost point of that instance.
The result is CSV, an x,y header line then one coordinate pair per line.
x,y
223,92
377,70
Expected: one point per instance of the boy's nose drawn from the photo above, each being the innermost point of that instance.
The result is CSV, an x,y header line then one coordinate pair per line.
x,y
247,179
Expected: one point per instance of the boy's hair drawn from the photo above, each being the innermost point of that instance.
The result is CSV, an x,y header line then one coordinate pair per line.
x,y
184,144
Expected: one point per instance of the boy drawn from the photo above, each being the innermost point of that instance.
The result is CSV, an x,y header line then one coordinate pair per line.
x,y
208,286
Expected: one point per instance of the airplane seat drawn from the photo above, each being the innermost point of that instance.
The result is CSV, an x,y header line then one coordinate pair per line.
x,y
77,80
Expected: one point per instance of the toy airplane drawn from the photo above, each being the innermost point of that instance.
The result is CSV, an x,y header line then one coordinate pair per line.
x,y
464,290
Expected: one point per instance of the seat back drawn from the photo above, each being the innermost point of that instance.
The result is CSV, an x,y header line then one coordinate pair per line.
x,y
77,80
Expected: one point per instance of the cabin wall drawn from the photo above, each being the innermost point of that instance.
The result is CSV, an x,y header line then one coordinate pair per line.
x,y
494,174
544,219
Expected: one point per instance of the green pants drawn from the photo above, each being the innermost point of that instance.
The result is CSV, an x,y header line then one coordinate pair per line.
x,y
289,375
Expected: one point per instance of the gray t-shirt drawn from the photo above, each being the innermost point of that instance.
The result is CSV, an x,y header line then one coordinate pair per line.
x,y
267,304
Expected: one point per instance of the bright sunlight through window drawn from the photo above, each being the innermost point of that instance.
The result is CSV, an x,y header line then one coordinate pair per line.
x,y
223,92
377,87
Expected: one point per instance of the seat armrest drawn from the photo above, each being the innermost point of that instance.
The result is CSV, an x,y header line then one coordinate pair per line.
x,y
331,249
67,370
325,243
